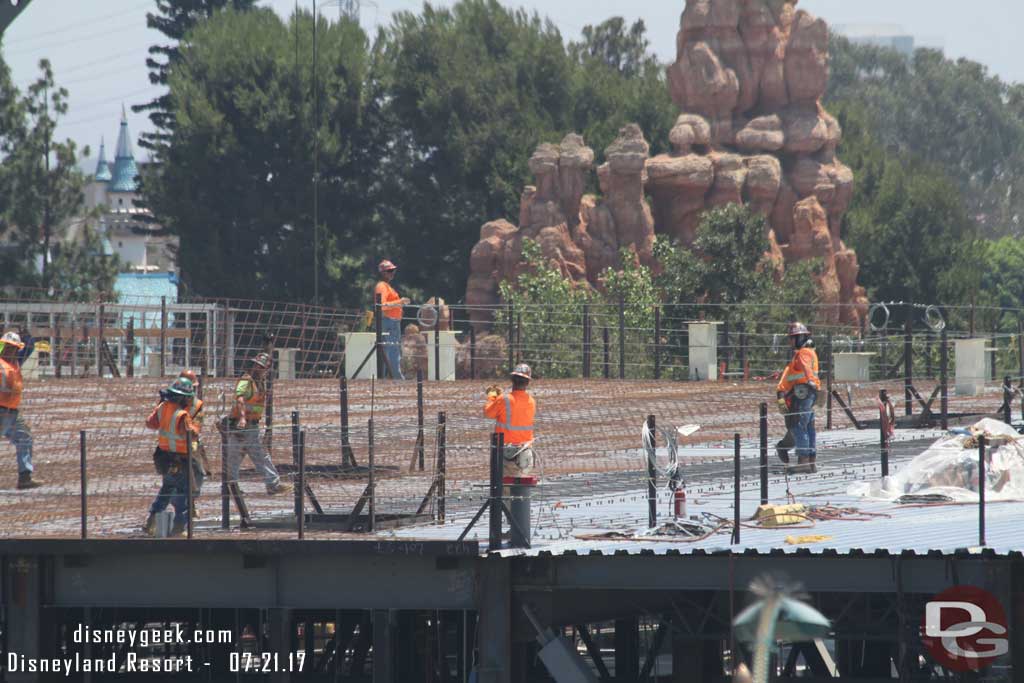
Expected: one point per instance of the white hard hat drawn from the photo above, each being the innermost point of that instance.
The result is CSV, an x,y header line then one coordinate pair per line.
x,y
13,339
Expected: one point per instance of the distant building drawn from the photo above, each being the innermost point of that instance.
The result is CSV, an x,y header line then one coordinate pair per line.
x,y
128,229
879,35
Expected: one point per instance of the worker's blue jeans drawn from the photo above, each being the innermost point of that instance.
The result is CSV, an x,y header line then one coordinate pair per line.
x,y
14,429
392,328
174,491
803,431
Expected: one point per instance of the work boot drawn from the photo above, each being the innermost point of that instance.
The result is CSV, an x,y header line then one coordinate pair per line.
x,y
149,528
803,465
25,481
194,513
178,529
278,487
814,464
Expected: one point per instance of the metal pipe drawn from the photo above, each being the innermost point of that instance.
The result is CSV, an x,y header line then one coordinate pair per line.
x,y
163,335
372,524
829,372
511,337
883,433
586,341
190,499
908,367
944,379
622,338
347,459
652,476
657,341
225,491
1007,400
84,483
725,346
981,490
99,340
378,329
419,419
472,352
295,458
607,354
442,465
736,489
494,527
437,343
763,454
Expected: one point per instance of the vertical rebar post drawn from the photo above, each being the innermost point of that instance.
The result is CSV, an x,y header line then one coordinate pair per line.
x,y
372,484
494,527
163,336
225,491
296,435
442,465
981,490
301,488
830,370
378,331
84,483
736,489
100,332
743,351
622,338
190,499
1007,400
657,341
944,378
652,476
346,447
58,349
726,348
130,370
586,341
472,352
419,419
763,453
607,353
437,342
908,366
511,336
883,434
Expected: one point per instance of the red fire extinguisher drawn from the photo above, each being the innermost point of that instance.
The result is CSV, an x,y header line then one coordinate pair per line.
x,y
679,501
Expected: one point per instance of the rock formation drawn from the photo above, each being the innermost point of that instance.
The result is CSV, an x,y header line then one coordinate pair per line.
x,y
748,78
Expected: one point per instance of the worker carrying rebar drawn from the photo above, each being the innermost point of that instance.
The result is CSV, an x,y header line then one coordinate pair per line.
x,y
513,415
171,418
244,425
391,312
195,413
797,394
14,351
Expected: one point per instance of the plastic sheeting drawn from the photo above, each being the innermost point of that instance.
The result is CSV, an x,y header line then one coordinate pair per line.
x,y
949,468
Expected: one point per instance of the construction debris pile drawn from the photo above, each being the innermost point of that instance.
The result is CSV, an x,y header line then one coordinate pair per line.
x,y
949,469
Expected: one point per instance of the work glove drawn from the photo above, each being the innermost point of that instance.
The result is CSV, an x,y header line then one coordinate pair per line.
x,y
783,408
493,391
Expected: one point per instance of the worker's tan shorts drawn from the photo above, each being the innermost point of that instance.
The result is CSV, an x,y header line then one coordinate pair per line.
x,y
518,461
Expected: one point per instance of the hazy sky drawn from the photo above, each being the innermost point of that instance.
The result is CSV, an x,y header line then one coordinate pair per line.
x,y
98,47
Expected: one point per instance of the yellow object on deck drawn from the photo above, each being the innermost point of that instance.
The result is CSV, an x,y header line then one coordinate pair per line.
x,y
781,515
802,540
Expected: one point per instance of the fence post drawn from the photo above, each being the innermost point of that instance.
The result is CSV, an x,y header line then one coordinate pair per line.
x,y
372,484
519,337
301,488
163,335
84,481
56,357
511,337
74,346
437,342
944,378
472,352
268,413
652,476
622,338
85,340
829,372
99,341
1007,400
607,354
442,464
743,352
586,340
929,368
494,527
763,465
981,490
225,491
657,341
378,330
419,418
736,489
725,346
1020,354
882,432
295,458
908,366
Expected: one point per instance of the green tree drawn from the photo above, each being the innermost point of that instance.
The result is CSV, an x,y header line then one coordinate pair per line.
x,y
82,270
174,19
235,182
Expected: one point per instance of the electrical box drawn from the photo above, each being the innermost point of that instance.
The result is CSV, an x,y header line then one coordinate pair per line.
x,y
853,367
703,339
972,366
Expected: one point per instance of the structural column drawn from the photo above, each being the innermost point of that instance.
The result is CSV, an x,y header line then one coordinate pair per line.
x,y
627,649
383,646
495,625
281,637
30,632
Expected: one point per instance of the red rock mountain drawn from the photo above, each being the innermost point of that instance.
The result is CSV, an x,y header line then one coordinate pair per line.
x,y
748,79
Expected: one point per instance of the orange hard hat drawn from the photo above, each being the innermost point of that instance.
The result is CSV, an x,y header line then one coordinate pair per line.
x,y
796,329
262,360
386,265
522,370
189,375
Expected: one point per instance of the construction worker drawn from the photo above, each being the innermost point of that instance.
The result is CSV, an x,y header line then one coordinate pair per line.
x,y
244,425
391,309
171,418
13,353
797,392
513,415
195,413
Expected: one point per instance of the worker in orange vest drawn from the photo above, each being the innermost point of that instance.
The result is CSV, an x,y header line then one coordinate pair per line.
x,y
391,310
513,415
14,352
195,413
244,426
797,393
175,428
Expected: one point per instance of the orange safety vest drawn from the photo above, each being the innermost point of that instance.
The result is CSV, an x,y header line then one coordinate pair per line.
x,y
173,439
803,369
254,402
513,416
10,385
388,295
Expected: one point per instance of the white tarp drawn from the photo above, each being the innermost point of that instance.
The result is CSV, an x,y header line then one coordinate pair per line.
x,y
949,467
